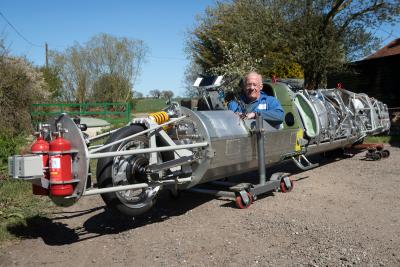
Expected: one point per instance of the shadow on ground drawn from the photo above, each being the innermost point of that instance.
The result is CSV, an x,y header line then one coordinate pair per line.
x,y
395,141
55,231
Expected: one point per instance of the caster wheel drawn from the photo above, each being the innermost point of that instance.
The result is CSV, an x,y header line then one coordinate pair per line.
x,y
385,153
285,188
377,155
240,203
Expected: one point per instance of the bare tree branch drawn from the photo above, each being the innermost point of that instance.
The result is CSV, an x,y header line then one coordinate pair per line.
x,y
356,15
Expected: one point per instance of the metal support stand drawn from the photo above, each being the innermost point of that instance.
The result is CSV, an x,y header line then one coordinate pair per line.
x,y
300,164
260,149
263,186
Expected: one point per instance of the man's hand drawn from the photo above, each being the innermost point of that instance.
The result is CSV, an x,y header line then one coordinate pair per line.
x,y
241,115
247,116
250,115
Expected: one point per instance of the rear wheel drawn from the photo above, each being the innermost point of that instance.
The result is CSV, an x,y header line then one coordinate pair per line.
x,y
125,170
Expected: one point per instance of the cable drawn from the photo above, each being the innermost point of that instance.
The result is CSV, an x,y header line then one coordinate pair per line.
x,y
29,42
20,35
390,34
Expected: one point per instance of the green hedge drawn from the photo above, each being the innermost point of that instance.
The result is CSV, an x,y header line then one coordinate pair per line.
x,y
9,145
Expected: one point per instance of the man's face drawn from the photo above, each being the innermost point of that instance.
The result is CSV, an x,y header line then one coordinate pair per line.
x,y
252,87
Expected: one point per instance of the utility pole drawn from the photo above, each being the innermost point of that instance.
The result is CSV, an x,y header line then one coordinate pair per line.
x,y
47,55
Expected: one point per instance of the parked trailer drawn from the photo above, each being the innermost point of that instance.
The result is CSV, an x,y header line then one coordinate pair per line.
x,y
180,149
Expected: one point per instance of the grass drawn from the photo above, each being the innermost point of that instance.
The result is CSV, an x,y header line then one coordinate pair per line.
x,y
152,104
149,105
388,139
18,205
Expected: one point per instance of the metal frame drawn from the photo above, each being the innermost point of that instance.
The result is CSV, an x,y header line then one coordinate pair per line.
x,y
134,186
152,130
158,126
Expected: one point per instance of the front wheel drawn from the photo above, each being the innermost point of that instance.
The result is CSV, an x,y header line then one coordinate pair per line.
x,y
124,170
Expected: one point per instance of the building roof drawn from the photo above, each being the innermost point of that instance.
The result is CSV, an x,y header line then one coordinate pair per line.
x,y
393,48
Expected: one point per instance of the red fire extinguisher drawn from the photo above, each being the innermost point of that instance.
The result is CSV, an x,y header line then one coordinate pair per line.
x,y
41,147
60,166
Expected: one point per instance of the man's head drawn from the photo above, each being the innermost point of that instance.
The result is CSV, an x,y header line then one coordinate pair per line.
x,y
252,85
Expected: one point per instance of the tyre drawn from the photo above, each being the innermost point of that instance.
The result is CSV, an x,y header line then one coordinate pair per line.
x,y
240,204
284,187
124,170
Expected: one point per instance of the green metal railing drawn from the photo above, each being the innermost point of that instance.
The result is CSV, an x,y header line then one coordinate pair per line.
x,y
113,112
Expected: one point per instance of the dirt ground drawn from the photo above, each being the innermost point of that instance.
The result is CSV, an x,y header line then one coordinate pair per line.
x,y
344,213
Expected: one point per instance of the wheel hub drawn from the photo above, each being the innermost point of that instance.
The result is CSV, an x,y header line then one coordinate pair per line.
x,y
136,170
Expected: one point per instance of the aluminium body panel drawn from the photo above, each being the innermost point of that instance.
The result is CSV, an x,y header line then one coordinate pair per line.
x,y
232,146
276,144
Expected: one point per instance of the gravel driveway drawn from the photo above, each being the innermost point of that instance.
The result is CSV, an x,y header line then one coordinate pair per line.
x,y
345,212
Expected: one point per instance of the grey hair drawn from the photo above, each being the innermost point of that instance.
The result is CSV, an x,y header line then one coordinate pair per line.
x,y
253,73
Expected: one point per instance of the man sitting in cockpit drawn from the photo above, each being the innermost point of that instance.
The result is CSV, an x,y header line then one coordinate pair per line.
x,y
253,100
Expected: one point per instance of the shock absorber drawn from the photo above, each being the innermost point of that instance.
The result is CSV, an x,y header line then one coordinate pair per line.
x,y
60,164
159,117
41,147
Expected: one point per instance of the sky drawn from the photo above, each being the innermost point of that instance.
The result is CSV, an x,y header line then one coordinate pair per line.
x,y
162,25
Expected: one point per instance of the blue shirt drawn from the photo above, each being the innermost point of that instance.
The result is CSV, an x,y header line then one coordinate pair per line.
x,y
268,106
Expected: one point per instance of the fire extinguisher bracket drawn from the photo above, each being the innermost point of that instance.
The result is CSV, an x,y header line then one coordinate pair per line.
x,y
73,181
72,152
58,164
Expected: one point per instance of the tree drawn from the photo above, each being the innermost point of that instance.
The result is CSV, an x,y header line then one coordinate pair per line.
x,y
167,94
111,88
112,55
335,32
155,93
241,35
20,86
137,94
52,78
192,71
103,59
74,73
288,37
